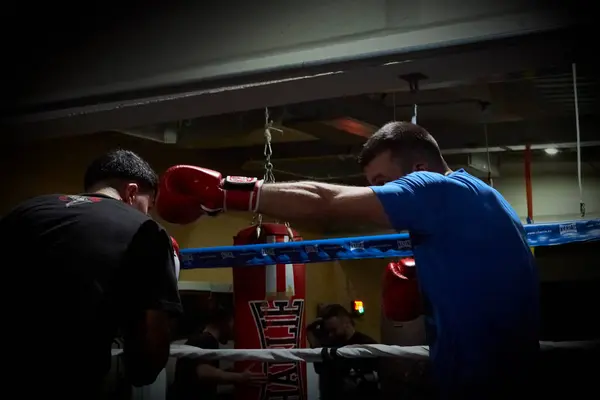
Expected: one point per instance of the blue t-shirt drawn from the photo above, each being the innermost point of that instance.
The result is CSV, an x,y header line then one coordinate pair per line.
x,y
476,272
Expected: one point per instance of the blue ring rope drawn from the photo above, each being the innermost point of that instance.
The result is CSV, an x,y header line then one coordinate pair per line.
x,y
363,247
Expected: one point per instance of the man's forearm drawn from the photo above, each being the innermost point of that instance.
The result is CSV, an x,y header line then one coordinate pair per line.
x,y
296,200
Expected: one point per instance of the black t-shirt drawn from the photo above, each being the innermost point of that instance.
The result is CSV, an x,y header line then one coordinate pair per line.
x,y
187,386
345,377
76,268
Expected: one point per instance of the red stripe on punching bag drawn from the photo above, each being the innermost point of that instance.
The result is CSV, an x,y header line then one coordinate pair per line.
x,y
269,313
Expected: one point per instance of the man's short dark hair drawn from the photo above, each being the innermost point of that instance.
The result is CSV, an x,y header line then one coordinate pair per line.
x,y
121,165
404,140
334,310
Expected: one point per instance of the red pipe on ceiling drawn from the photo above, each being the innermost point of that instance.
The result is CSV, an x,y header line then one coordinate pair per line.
x,y
528,189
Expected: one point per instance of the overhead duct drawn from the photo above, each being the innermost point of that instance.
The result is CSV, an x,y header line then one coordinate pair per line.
x,y
325,168
566,145
480,163
166,135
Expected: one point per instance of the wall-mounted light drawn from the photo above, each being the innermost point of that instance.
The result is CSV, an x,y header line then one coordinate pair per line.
x,y
551,151
358,308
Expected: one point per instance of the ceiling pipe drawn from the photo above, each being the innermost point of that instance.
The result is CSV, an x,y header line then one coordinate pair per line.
x,y
168,135
443,103
566,145
528,186
257,164
253,164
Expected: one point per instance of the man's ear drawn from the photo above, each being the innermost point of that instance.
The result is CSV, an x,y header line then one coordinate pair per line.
x,y
130,192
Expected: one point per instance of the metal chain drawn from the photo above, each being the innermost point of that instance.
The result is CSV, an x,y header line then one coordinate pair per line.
x,y
268,152
268,176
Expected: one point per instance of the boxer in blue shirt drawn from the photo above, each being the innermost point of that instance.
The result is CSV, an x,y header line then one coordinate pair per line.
x,y
477,275
476,271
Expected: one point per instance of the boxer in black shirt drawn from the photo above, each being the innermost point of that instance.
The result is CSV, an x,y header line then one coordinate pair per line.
x,y
95,265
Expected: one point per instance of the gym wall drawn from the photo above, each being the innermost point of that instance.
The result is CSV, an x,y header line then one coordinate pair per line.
x,y
555,190
58,166
555,198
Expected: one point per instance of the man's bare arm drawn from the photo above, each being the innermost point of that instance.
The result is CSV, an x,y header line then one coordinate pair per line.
x,y
324,202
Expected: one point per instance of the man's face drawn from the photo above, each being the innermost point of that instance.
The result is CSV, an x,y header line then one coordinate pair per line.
x,y
383,169
335,327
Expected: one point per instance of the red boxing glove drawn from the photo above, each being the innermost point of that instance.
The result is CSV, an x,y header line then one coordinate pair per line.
x,y
401,298
186,192
177,257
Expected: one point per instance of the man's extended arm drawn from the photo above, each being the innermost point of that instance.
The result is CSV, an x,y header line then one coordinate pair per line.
x,y
322,202
187,192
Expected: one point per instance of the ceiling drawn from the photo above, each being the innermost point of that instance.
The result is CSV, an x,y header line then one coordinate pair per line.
x,y
488,97
318,139
533,106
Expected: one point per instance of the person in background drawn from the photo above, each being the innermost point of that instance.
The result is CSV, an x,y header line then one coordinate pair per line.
x,y
347,378
95,264
197,379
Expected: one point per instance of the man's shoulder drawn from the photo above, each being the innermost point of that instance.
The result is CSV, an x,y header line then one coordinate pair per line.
x,y
100,202
427,180
461,177
36,211
33,202
112,211
66,214
72,203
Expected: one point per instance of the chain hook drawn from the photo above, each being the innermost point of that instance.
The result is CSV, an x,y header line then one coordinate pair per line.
x,y
413,85
268,176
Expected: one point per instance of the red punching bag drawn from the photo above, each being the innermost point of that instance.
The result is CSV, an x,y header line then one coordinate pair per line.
x,y
401,300
269,314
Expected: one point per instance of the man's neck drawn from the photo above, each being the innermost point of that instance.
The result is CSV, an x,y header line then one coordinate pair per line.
x,y
108,191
